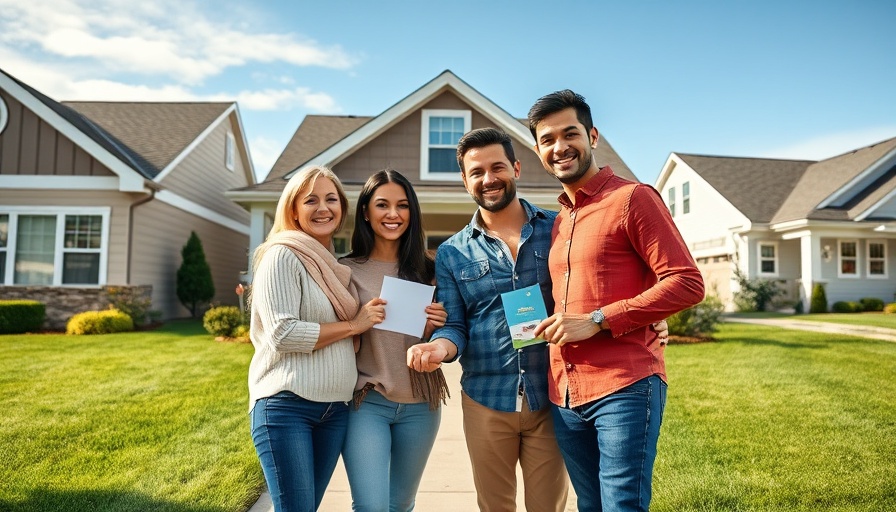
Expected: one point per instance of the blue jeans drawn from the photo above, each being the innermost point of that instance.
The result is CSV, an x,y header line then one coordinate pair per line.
x,y
298,443
385,451
609,446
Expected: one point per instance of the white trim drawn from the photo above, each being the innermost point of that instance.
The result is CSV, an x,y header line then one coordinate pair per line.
x,y
840,258
192,145
870,170
760,258
873,208
425,116
60,182
60,213
129,179
445,81
182,203
4,115
249,167
868,260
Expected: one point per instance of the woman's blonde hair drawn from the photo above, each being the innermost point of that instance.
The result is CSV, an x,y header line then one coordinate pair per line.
x,y
300,184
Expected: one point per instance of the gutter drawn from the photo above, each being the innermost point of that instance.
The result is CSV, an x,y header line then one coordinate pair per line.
x,y
152,195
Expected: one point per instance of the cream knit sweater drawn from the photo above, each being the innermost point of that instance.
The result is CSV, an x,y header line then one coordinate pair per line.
x,y
287,310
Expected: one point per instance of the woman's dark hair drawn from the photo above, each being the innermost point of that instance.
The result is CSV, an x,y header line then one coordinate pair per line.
x,y
413,262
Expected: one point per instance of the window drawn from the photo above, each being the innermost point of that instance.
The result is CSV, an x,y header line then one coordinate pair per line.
x,y
768,259
4,115
671,195
229,151
849,263
40,246
438,150
877,259
686,198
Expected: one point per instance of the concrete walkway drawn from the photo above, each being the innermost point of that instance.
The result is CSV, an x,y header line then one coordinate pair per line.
x,y
864,331
447,484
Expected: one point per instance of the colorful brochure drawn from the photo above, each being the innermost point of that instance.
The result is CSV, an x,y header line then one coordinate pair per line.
x,y
524,310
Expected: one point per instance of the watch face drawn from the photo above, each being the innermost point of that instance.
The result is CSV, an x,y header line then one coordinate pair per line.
x,y
597,316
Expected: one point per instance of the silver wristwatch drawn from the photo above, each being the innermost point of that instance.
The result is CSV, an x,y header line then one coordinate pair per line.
x,y
597,316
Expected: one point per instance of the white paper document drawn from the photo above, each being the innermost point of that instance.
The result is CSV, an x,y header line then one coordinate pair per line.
x,y
405,304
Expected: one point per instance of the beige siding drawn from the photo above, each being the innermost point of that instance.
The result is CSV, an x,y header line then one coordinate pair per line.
x,y
30,146
161,231
118,222
717,276
202,176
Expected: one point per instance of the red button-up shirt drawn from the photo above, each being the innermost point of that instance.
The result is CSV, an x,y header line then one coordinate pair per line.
x,y
616,250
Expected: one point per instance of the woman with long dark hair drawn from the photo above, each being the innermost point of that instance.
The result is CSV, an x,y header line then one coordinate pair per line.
x,y
396,416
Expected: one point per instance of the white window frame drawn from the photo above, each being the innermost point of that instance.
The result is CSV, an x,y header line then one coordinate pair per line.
x,y
869,259
230,151
670,196
4,115
425,145
841,259
686,198
760,258
15,211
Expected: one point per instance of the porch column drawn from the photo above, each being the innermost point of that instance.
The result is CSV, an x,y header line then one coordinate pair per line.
x,y
810,266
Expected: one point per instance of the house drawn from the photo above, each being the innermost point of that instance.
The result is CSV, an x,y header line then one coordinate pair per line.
x,y
798,222
100,196
418,137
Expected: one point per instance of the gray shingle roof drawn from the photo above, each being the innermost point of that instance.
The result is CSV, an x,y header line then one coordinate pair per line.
x,y
157,132
755,186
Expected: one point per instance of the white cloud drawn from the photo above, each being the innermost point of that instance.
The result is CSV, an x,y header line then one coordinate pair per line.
x,y
164,37
282,99
264,153
826,146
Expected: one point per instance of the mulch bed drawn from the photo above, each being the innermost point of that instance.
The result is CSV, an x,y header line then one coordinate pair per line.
x,y
687,340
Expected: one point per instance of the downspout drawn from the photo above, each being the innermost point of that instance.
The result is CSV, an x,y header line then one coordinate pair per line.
x,y
131,208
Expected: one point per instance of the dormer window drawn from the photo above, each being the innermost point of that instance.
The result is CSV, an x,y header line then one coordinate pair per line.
x,y
686,198
229,151
440,132
671,195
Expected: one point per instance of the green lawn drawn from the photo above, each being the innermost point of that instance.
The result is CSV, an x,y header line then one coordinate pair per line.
x,y
764,419
874,319
126,422
768,419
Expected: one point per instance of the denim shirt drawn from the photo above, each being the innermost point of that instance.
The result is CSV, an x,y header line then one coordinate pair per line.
x,y
473,269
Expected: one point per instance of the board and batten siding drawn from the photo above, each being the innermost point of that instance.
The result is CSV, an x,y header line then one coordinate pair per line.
x,y
160,233
29,146
202,176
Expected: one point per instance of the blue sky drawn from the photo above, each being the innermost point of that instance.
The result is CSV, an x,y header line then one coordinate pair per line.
x,y
787,79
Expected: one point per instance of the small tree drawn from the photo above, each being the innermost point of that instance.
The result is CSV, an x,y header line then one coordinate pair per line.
x,y
194,277
819,302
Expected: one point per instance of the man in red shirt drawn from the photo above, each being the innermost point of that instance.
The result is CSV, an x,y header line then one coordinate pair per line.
x,y
618,264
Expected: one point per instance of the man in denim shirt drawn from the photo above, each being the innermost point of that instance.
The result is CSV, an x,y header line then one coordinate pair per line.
x,y
505,402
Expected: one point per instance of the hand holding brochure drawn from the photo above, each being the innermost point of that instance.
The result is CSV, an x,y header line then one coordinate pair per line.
x,y
405,304
524,310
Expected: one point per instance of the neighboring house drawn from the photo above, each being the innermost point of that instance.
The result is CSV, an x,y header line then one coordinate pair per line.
x,y
797,222
417,137
100,195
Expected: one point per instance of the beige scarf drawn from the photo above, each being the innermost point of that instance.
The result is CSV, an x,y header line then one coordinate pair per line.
x,y
333,277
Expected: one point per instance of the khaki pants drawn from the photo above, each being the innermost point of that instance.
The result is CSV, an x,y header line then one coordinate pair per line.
x,y
497,441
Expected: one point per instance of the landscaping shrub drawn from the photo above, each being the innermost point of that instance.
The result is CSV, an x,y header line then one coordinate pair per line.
x,y
18,316
844,306
194,277
241,331
700,320
819,302
754,294
890,308
222,320
129,302
99,322
872,304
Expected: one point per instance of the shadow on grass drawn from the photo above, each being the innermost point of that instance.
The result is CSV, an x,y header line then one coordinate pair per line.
x,y
90,500
776,343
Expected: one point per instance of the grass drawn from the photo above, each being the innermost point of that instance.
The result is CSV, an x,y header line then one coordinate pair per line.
x,y
769,419
764,419
873,319
140,421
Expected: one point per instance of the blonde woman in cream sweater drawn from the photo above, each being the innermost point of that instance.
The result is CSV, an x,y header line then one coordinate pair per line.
x,y
304,315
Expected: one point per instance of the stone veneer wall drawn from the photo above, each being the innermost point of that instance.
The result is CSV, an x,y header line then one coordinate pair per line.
x,y
63,302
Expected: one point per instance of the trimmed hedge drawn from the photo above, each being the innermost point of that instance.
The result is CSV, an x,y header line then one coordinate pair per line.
x,y
890,308
872,304
222,320
20,316
99,322
845,306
